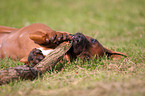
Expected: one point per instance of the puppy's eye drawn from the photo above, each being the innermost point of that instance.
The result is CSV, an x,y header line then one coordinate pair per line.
x,y
93,40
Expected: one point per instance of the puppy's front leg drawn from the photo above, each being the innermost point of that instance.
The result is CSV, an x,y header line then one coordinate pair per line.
x,y
49,37
35,57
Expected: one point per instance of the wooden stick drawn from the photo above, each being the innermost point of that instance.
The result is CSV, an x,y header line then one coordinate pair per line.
x,y
25,72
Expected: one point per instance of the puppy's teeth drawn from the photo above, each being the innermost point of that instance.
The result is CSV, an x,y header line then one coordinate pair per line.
x,y
47,40
73,37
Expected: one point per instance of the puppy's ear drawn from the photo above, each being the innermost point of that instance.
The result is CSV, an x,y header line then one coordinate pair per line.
x,y
114,55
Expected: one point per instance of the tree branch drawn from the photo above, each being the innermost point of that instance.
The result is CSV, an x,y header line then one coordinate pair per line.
x,y
25,72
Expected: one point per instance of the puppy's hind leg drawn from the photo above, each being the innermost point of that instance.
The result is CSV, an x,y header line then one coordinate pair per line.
x,y
7,29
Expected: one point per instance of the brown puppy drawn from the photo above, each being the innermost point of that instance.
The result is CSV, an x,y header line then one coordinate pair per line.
x,y
18,43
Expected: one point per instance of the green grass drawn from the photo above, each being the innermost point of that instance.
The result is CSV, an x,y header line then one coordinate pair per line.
x,y
117,24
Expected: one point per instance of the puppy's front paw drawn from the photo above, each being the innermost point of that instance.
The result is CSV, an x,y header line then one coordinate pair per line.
x,y
57,38
35,57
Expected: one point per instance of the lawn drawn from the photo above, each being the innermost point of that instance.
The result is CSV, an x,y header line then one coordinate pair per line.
x,y
117,24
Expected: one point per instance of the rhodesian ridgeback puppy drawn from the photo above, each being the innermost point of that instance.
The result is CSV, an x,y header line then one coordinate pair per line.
x,y
32,43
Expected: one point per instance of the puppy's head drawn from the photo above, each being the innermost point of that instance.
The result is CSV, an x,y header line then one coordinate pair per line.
x,y
87,47
80,43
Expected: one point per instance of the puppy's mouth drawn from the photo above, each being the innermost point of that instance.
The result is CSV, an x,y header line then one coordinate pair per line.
x,y
78,39
76,42
79,43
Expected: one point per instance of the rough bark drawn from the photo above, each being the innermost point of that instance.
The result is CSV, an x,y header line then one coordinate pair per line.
x,y
25,72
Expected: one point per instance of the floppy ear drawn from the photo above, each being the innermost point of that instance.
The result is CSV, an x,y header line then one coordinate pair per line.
x,y
114,55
